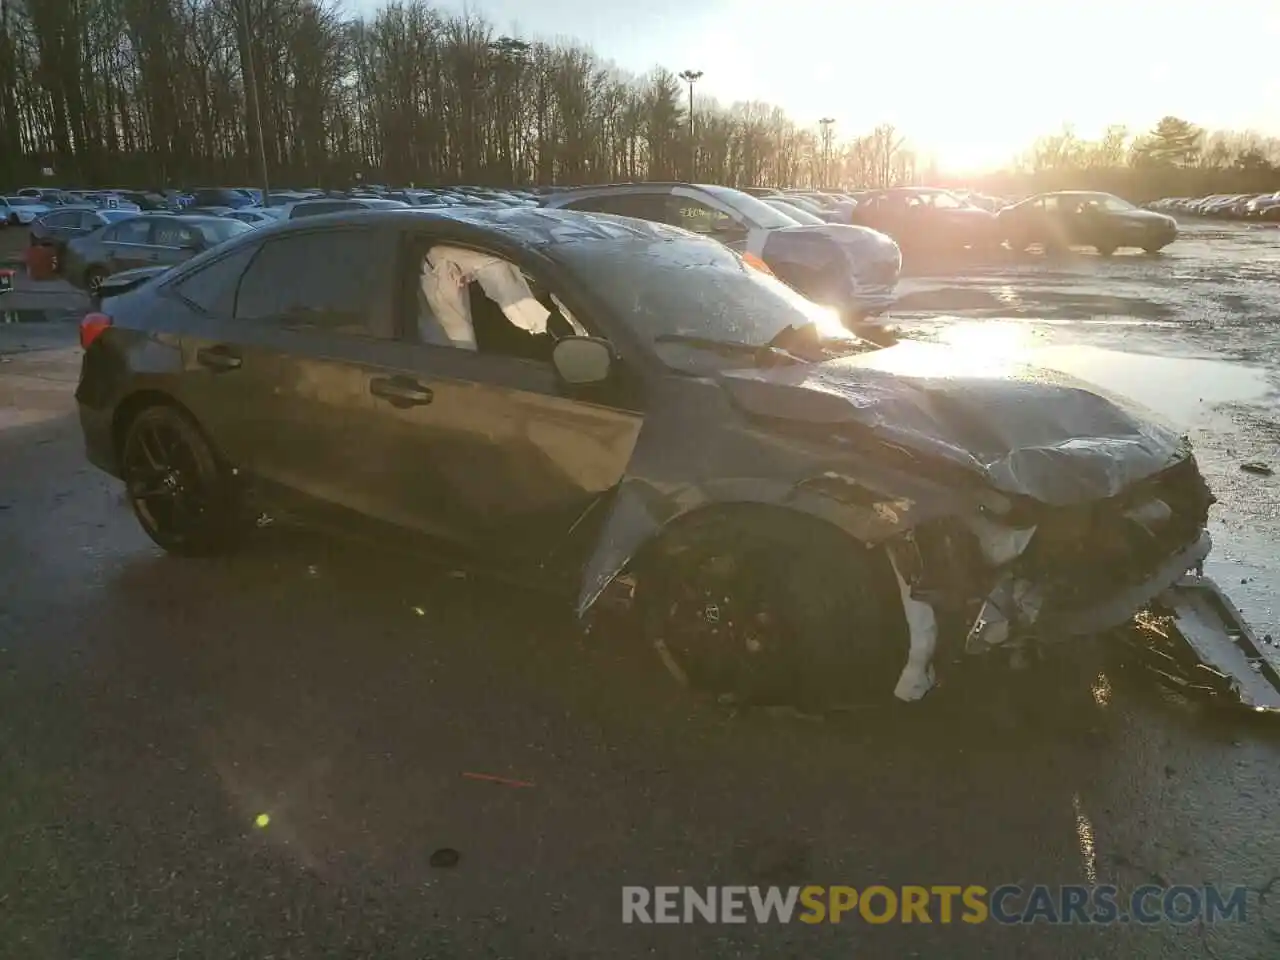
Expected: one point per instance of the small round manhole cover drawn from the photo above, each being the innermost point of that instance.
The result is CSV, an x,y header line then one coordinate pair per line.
x,y
445,857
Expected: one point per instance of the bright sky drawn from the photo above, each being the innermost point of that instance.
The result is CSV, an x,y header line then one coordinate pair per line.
x,y
971,82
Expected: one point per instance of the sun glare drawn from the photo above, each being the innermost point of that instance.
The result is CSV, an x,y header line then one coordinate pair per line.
x,y
965,350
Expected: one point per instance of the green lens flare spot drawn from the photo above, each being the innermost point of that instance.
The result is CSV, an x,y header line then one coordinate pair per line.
x,y
261,820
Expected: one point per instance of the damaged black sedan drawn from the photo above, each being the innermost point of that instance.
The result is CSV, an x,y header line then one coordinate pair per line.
x,y
587,400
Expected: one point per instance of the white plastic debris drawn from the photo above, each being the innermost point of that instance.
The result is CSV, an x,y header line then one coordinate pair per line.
x,y
917,677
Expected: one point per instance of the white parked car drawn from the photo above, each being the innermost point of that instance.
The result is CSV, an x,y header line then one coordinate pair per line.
x,y
20,211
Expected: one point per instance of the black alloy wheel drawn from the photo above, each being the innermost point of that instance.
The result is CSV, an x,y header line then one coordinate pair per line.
x,y
771,610
180,493
721,632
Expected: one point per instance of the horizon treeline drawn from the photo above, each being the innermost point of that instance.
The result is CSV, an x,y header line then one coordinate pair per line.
x,y
151,93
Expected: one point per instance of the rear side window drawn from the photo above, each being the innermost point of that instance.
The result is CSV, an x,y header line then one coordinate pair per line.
x,y
212,289
326,280
642,206
316,209
129,231
176,234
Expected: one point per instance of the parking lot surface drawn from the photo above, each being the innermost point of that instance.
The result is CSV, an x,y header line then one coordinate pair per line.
x,y
258,756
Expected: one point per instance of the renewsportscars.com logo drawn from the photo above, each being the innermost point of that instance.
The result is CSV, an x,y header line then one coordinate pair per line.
x,y
1008,904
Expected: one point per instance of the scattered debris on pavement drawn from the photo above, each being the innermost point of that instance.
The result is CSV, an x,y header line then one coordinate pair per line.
x,y
1195,640
1257,467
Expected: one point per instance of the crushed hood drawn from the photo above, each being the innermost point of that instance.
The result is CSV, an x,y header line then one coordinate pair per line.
x,y
1027,431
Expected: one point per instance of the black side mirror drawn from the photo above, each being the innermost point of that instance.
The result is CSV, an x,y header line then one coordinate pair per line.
x,y
582,361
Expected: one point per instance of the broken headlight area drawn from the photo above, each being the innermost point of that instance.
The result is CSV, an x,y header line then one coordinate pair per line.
x,y
1017,572
1083,555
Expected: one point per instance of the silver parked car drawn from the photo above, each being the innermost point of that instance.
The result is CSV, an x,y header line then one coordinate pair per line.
x,y
148,240
853,270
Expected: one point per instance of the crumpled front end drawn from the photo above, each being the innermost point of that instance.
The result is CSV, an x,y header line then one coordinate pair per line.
x,y
1017,572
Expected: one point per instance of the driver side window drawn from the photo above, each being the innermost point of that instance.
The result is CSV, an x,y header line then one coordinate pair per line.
x,y
484,303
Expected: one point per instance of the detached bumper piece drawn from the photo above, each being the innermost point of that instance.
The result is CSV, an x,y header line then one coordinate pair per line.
x,y
1197,642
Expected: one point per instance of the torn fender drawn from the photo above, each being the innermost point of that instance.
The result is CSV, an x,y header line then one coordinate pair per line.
x,y
641,514
695,451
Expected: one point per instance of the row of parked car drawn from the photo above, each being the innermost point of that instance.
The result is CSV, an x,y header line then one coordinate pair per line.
x,y
921,217
1260,207
90,235
841,249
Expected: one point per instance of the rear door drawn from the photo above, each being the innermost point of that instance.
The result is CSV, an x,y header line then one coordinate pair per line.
x,y
282,361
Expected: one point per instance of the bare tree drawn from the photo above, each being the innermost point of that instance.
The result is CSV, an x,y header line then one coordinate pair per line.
x,y
152,92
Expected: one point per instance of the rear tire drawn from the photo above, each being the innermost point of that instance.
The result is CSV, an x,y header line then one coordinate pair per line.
x,y
1105,249
185,499
757,607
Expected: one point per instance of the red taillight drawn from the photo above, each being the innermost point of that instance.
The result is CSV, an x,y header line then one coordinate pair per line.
x,y
91,328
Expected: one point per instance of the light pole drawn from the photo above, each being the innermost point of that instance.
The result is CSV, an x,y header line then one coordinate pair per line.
x,y
691,77
251,87
826,123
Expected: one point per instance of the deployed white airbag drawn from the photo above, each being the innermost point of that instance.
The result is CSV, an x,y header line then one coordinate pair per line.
x,y
447,272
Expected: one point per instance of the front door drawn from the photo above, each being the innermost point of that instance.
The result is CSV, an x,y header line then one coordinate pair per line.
x,y
127,244
173,242
518,456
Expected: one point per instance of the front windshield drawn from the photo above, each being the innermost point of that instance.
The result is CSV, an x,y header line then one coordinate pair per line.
x,y
22,202
693,288
755,211
794,211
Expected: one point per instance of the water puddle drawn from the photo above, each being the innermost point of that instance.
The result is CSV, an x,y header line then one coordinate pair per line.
x,y
1184,390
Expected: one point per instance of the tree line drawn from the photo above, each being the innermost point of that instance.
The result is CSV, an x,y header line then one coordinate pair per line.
x,y
152,93
1174,158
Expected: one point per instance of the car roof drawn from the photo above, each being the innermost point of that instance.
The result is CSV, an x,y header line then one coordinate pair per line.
x,y
523,225
641,186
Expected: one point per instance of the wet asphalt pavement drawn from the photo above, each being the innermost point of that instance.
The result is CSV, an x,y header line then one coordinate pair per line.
x,y
152,709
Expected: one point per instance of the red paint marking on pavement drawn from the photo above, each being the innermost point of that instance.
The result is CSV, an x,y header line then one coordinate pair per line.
x,y
504,780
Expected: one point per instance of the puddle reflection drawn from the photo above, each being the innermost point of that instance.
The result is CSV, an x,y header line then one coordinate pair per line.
x,y
1183,389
